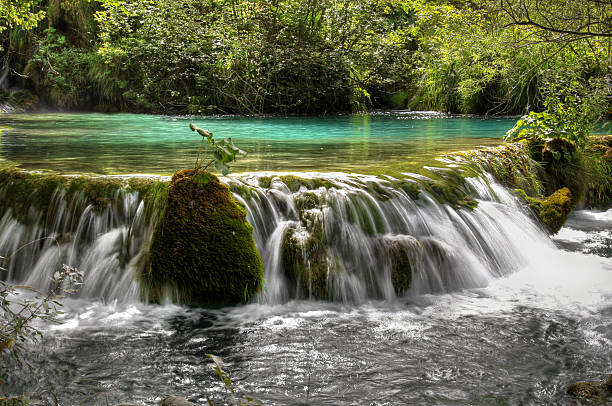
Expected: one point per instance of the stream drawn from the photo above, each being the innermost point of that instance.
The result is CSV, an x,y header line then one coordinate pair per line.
x,y
498,312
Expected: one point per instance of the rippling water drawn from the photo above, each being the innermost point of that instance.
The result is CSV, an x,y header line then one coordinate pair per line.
x,y
521,340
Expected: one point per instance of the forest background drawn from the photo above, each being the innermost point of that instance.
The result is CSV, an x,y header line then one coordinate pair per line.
x,y
308,56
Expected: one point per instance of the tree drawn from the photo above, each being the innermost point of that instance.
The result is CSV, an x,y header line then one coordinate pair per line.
x,y
20,13
555,20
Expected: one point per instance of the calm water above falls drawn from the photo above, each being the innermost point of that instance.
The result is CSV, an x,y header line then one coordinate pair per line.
x,y
129,143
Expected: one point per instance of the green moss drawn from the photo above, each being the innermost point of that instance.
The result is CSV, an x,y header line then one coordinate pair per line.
x,y
411,188
591,390
379,193
306,263
203,247
294,183
22,191
597,170
307,201
553,210
402,254
265,182
566,173
366,214
510,165
451,190
587,173
154,193
241,189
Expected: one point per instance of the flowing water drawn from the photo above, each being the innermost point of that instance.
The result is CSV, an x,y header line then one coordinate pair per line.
x,y
498,313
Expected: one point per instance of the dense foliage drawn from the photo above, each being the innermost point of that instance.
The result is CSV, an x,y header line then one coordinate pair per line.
x,y
305,56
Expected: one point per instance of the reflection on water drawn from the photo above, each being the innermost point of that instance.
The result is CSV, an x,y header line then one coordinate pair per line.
x,y
129,143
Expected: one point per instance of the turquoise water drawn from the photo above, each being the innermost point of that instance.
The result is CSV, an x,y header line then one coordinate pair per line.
x,y
128,143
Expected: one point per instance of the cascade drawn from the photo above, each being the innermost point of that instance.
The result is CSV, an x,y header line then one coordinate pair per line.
x,y
365,237
334,236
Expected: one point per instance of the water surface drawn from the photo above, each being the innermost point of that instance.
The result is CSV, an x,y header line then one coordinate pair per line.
x,y
130,143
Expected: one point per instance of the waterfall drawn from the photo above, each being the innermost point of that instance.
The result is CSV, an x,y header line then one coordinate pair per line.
x,y
355,238
106,242
334,236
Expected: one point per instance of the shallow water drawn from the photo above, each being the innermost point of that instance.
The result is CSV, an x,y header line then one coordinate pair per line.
x,y
520,340
130,143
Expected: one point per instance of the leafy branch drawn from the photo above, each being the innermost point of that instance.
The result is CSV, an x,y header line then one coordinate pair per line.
x,y
223,152
18,315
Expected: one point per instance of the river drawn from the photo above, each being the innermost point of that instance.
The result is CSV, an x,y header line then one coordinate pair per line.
x,y
499,313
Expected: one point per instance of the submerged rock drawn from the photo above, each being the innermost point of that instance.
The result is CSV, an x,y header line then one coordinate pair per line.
x,y
202,250
591,390
175,401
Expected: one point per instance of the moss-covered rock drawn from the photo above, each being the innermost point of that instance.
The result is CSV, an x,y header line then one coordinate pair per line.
x,y
306,263
510,164
202,249
404,252
448,186
410,187
294,183
553,210
22,191
591,390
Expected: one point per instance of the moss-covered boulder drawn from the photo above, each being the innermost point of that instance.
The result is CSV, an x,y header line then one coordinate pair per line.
x,y
553,210
202,250
591,390
295,183
306,259
405,253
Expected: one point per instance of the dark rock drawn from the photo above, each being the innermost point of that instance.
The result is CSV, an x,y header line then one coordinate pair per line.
x,y
405,253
